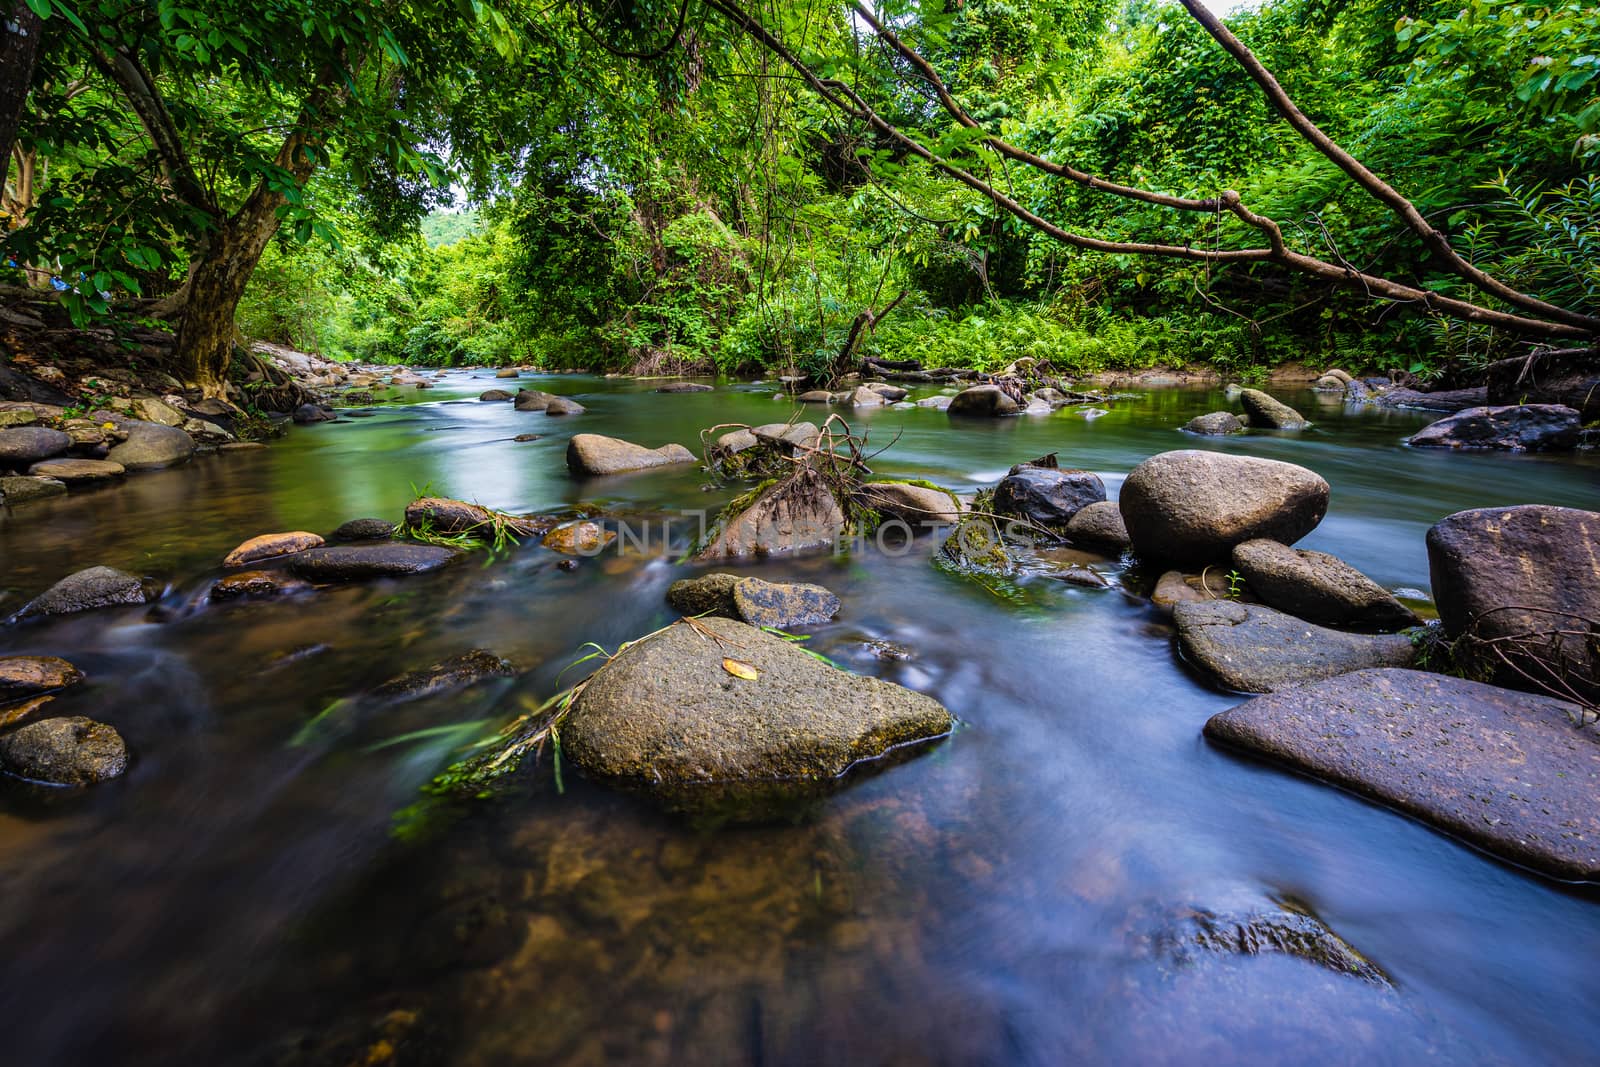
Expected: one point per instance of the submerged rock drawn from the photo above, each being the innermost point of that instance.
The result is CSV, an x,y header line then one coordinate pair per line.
x,y
365,530
1318,587
1216,424
684,387
1099,525
22,676
1518,428
1257,928
1250,648
75,471
1506,771
1519,588
666,712
1267,413
457,672
795,513
1175,587
269,545
1191,506
918,506
816,396
67,751
258,585
982,400
1047,495
93,587
596,454
354,563
582,538
23,490
23,446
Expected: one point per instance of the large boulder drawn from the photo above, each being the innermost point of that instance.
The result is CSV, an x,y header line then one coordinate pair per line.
x,y
22,676
1318,587
1568,378
1519,588
1517,428
1191,506
982,400
267,546
23,446
679,708
918,506
1046,495
1267,413
94,587
594,454
792,514
1216,424
151,446
1253,649
1099,525
354,563
1506,771
69,751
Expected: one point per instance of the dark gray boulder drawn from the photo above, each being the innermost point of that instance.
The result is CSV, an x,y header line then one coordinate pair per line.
x,y
365,530
1267,413
1517,428
1243,923
93,587
533,400
1318,587
309,413
1519,590
68,751
354,563
1503,770
1191,506
1250,648
560,405
1216,424
23,446
1099,525
1046,495
983,401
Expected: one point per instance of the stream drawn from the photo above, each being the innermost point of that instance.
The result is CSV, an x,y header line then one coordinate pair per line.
x,y
256,892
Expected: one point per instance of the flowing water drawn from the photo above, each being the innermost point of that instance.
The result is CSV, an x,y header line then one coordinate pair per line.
x,y
254,891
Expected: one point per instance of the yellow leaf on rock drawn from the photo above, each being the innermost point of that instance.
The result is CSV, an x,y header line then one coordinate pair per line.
x,y
740,670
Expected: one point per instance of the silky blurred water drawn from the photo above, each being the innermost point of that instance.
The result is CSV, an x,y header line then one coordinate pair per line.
x,y
246,893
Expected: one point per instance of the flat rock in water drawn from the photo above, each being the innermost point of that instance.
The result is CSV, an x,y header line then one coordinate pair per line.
x,y
782,605
152,446
1517,428
22,446
1047,495
1253,649
68,751
816,396
71,471
667,711
1216,424
354,563
1098,525
1269,414
1318,587
365,530
22,490
22,676
456,672
684,387
267,546
710,594
1509,772
797,513
596,454
1191,506
258,585
93,587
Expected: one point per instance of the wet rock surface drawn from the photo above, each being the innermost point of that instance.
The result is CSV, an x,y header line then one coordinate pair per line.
x,y
666,712
794,514
23,676
684,387
67,751
24,489
1240,926
457,672
365,530
596,454
1250,648
1215,424
354,563
917,506
258,585
1507,771
1193,507
1518,428
451,517
582,538
1318,587
93,587
266,546
982,401
1046,495
783,604
1268,413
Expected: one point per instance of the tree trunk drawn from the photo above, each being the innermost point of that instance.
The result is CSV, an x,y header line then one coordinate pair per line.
x,y
216,284
20,30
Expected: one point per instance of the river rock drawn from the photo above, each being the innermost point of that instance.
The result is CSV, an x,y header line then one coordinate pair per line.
x,y
863,397
795,513
365,530
1175,587
76,471
507,372
1518,428
457,672
782,605
21,490
710,594
354,563
533,400
1514,576
1506,771
22,446
888,392
309,413
1250,648
68,751
937,403
450,517
1046,495
918,506
982,400
1318,587
684,387
494,395
1216,424
1191,506
268,545
258,585
816,396
1243,924
666,712
151,446
23,676
560,405
1269,414
149,409
1098,525
581,538
595,454
94,587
